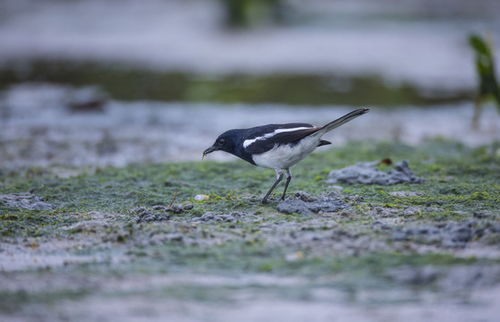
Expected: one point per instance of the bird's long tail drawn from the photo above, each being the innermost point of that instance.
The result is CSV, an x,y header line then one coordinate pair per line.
x,y
342,120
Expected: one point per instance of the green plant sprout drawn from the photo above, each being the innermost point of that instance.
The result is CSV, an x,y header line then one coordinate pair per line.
x,y
485,67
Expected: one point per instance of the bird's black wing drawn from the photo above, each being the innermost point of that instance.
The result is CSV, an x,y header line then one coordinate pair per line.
x,y
267,141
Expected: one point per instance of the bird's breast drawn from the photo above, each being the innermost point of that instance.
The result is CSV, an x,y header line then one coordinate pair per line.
x,y
286,155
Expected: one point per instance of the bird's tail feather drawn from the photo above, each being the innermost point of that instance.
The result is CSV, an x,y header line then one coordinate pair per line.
x,y
342,120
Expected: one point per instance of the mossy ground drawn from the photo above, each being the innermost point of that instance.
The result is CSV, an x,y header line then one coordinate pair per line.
x,y
94,215
457,178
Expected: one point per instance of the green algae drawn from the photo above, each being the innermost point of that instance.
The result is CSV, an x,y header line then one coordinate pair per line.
x,y
461,185
456,180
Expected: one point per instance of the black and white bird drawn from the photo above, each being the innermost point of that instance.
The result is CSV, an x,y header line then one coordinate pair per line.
x,y
277,146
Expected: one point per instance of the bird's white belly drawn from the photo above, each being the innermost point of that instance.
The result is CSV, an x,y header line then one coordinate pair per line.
x,y
285,156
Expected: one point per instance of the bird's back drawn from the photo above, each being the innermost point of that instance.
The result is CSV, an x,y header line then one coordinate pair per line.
x,y
257,131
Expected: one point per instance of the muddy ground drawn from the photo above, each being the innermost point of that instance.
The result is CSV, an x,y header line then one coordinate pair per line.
x,y
191,242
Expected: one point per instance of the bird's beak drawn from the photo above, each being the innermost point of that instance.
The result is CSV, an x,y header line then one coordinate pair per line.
x,y
209,150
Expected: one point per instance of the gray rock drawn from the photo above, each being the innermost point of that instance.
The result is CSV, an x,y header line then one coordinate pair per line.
x,y
25,200
308,206
368,173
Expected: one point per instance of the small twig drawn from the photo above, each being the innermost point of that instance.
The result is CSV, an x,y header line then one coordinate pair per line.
x,y
173,199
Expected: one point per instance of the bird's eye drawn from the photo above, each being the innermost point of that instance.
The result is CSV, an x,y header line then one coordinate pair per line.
x,y
222,141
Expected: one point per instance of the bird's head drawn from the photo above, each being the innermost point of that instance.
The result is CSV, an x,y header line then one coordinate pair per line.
x,y
225,142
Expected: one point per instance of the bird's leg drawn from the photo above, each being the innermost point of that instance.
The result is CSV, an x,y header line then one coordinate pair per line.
x,y
279,176
288,179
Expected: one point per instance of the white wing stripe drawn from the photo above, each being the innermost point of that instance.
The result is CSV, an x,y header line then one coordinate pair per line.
x,y
246,143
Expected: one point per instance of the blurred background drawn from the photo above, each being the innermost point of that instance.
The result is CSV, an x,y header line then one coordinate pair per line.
x,y
96,83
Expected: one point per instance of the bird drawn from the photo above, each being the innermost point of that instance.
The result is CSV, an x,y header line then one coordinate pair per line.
x,y
277,146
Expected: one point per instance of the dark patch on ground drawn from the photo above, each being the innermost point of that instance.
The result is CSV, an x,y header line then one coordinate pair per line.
x,y
158,212
368,173
307,205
